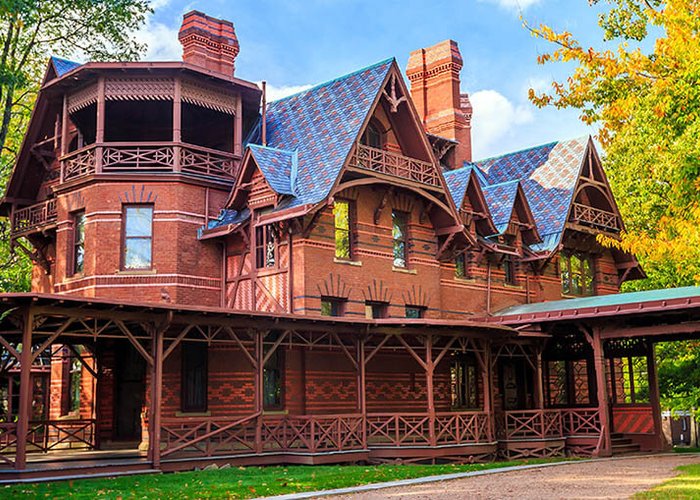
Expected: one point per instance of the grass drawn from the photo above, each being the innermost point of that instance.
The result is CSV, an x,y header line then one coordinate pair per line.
x,y
240,482
686,485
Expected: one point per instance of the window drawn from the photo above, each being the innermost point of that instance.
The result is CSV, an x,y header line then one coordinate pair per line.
x,y
78,260
460,266
372,136
137,252
576,274
464,383
415,312
399,234
332,306
509,270
72,380
376,310
342,213
194,377
265,246
272,381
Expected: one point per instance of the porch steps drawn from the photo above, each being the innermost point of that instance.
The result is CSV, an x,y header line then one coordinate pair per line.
x,y
76,469
622,445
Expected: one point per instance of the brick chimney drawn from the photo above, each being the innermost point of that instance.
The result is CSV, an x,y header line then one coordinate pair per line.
x,y
445,111
208,42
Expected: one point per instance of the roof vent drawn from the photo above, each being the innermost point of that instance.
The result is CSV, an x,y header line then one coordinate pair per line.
x,y
208,42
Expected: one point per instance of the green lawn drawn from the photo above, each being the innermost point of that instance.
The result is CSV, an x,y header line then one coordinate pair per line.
x,y
685,485
239,482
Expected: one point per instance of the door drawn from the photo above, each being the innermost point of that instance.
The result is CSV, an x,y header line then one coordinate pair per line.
x,y
130,383
516,377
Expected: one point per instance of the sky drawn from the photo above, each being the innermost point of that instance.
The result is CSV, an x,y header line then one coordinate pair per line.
x,y
293,44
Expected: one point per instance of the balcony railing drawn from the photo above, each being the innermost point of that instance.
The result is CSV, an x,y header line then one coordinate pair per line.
x,y
148,158
33,218
596,217
396,165
532,424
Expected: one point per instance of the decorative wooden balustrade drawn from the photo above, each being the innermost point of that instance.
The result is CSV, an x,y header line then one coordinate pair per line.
x,y
47,435
581,422
532,424
396,165
8,442
313,434
33,218
207,436
595,217
149,158
414,429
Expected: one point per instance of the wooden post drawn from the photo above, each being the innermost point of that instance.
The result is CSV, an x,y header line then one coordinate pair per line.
x,y
654,396
259,377
156,397
25,391
429,369
177,125
64,134
238,127
604,448
488,388
362,388
539,386
100,127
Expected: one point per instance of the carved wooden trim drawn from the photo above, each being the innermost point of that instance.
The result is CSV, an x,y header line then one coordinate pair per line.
x,y
82,98
130,89
206,97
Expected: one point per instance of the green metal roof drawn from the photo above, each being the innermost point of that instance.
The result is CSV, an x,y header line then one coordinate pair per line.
x,y
618,299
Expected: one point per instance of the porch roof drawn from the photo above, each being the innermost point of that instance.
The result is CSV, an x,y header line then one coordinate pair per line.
x,y
251,319
649,301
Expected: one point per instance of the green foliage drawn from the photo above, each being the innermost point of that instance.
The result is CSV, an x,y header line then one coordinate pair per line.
x,y
685,485
242,482
679,372
30,31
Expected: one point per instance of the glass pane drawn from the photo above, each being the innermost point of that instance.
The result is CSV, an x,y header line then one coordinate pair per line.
x,y
413,312
460,271
399,254
139,221
138,253
326,308
399,225
79,263
80,227
341,211
342,244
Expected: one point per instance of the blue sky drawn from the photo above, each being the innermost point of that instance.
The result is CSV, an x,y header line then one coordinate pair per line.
x,y
293,44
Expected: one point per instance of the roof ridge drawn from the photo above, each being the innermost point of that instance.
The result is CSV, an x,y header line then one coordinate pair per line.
x,y
260,146
498,184
328,82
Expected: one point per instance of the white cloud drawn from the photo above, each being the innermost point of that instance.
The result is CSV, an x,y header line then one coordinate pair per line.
x,y
160,38
274,92
494,119
513,5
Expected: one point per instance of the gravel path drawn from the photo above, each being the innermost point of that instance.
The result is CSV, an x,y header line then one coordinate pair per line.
x,y
619,478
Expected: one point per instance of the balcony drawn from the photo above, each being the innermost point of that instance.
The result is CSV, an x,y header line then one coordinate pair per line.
x,y
594,217
33,219
395,165
149,158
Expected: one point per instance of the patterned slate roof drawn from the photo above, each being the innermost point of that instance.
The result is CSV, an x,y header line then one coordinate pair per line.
x,y
226,218
320,125
277,165
63,66
500,199
457,183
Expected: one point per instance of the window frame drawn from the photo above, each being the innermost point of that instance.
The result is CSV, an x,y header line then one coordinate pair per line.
x,y
125,237
586,282
461,259
397,214
261,243
373,127
419,309
464,373
370,306
75,244
350,229
509,274
185,400
337,304
279,357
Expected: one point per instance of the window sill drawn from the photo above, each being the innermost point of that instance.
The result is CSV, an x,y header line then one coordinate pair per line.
x,y
193,413
70,416
74,277
275,412
357,263
404,270
135,272
513,287
465,280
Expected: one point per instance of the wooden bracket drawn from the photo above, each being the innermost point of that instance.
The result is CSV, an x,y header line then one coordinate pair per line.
x,y
393,98
382,204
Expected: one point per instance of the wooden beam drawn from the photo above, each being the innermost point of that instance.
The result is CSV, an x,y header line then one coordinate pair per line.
x,y
382,203
25,391
177,341
49,341
604,447
243,348
120,324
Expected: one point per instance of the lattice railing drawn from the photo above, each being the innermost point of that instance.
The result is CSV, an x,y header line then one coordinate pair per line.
x,y
532,424
47,435
386,162
391,429
149,158
8,442
462,428
312,433
207,436
580,421
33,218
596,217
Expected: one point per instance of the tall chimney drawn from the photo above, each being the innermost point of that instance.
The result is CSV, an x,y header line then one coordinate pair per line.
x,y
445,111
208,42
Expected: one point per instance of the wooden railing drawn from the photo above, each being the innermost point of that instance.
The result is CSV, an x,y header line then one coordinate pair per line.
x,y
532,424
147,157
47,435
396,165
595,217
33,218
581,422
312,434
414,429
463,428
8,442
209,436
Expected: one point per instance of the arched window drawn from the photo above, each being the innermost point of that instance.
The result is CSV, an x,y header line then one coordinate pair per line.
x,y
373,136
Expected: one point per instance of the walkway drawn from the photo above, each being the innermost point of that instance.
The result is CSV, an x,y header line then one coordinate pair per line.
x,y
617,478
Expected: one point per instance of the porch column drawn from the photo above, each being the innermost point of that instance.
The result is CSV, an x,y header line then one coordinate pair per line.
x,y
604,446
156,398
654,399
177,124
429,369
259,356
539,385
100,126
361,388
25,391
487,381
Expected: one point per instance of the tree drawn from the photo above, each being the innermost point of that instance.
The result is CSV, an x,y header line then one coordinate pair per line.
x,y
30,31
642,87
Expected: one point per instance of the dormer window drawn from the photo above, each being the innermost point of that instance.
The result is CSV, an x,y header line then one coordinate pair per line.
x,y
373,136
577,275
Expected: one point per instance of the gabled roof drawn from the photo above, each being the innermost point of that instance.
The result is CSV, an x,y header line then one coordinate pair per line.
x,y
320,125
500,199
277,165
63,66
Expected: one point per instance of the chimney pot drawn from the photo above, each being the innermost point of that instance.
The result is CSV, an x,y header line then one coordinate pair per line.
x,y
208,42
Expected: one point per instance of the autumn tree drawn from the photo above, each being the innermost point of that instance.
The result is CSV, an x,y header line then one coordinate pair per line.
x,y
30,31
641,86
